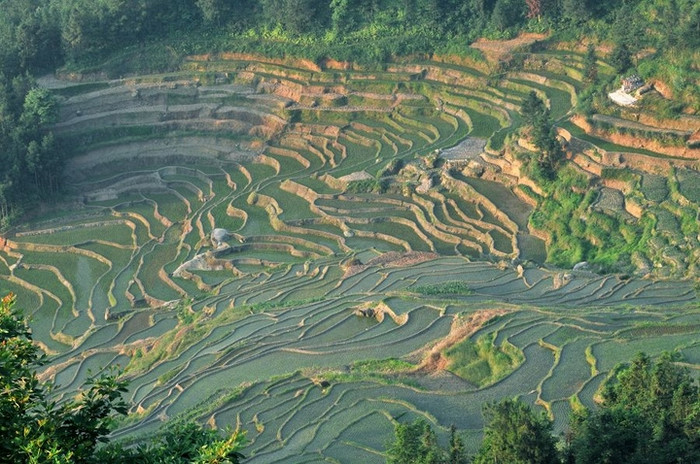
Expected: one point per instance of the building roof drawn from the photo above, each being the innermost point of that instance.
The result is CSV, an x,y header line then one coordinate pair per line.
x,y
632,82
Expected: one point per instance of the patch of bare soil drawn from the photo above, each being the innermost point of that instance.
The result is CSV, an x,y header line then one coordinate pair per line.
x,y
639,142
494,50
433,360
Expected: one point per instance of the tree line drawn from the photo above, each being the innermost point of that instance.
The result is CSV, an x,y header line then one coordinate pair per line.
x,y
31,159
649,414
41,34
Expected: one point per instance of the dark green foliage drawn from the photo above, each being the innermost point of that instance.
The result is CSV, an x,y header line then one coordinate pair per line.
x,y
368,186
295,16
31,158
180,443
393,167
456,453
35,429
621,57
538,119
515,435
444,288
650,414
575,11
507,13
532,108
212,10
590,66
416,443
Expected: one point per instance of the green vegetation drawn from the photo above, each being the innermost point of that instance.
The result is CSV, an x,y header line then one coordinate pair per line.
x,y
580,233
383,366
649,414
417,443
37,429
164,121
481,362
444,288
513,433
31,157
538,121
390,371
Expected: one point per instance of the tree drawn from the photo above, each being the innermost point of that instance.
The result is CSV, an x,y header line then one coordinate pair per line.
x,y
507,13
211,10
37,430
33,427
515,435
590,65
457,454
650,414
671,23
296,16
575,11
179,443
415,443
340,17
538,119
692,29
532,108
40,108
621,57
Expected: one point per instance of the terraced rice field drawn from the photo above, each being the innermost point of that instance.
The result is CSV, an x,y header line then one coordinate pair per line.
x,y
238,247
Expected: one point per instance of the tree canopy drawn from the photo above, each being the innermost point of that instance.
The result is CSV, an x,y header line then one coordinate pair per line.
x,y
515,435
37,430
417,443
650,414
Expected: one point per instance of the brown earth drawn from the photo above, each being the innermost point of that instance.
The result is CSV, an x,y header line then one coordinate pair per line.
x,y
638,142
433,359
494,50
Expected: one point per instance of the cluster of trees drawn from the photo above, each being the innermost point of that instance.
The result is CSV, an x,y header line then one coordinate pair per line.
x,y
650,414
43,33
30,156
37,430
538,121
417,443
